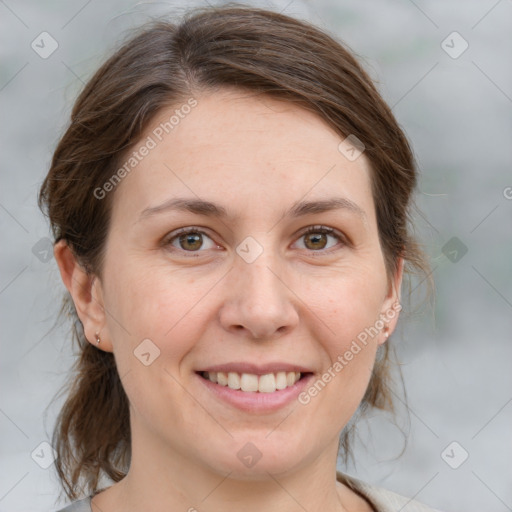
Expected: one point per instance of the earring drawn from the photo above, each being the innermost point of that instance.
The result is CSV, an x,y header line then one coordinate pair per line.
x,y
97,338
386,333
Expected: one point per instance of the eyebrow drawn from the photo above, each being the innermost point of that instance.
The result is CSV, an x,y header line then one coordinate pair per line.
x,y
210,209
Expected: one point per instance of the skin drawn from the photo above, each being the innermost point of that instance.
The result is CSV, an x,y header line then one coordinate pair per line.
x,y
256,157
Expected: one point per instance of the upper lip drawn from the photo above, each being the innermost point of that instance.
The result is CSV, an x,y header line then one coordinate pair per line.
x,y
241,367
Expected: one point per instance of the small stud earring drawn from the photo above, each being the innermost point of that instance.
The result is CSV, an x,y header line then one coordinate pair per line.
x,y
97,338
386,333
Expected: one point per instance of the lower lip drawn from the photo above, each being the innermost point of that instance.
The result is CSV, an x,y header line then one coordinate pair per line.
x,y
254,401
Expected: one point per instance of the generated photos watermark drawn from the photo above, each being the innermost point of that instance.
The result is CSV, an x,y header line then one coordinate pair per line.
x,y
344,359
151,142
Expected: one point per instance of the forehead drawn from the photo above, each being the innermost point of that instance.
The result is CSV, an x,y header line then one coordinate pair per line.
x,y
241,149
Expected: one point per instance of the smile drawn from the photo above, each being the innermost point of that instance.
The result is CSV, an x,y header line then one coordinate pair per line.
x,y
251,393
249,382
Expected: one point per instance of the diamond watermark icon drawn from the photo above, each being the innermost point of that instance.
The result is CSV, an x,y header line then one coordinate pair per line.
x,y
43,455
351,147
146,352
249,249
44,45
43,249
454,455
454,45
454,249
249,454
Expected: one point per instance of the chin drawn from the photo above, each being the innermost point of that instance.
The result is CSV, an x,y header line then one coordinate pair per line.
x,y
253,457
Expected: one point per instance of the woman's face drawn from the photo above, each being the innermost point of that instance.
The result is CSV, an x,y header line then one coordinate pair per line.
x,y
247,291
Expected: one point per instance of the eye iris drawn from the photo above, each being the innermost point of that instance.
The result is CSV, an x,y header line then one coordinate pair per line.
x,y
315,238
194,239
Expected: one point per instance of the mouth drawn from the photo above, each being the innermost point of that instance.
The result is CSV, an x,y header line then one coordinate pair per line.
x,y
253,393
252,383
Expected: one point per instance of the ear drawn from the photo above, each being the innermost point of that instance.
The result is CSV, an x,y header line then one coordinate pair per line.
x,y
86,292
391,306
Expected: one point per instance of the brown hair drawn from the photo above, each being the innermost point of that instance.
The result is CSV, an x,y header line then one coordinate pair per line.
x,y
233,46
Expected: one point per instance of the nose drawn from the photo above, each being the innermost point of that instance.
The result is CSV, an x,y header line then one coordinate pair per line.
x,y
258,301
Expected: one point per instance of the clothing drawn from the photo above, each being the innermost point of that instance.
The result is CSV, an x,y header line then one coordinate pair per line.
x,y
78,506
381,499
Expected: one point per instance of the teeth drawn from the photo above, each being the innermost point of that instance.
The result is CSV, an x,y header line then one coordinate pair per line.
x,y
267,383
249,382
291,377
281,381
233,380
222,378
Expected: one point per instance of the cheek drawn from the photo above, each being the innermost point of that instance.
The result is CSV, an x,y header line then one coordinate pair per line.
x,y
156,319
349,351
146,303
348,304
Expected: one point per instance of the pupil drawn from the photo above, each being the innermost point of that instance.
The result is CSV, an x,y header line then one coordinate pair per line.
x,y
315,238
192,240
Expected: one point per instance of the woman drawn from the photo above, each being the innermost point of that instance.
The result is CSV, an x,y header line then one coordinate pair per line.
x,y
230,211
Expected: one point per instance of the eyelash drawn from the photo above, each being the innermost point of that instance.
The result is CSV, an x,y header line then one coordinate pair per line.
x,y
311,229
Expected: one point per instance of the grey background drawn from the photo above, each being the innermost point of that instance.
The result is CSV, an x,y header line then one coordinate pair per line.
x,y
456,356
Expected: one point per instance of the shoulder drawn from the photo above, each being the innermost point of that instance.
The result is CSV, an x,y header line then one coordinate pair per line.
x,y
382,499
78,506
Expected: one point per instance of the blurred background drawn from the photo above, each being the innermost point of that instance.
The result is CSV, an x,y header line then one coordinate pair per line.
x,y
445,69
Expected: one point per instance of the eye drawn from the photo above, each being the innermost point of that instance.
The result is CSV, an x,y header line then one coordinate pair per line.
x,y
194,240
316,238
190,239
